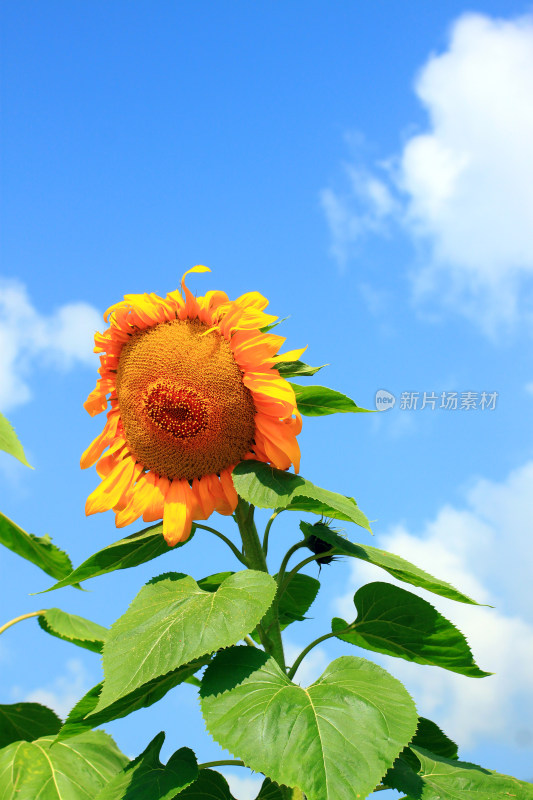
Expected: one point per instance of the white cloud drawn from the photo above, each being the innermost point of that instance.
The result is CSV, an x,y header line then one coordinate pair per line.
x,y
61,694
244,788
464,186
360,210
486,551
28,338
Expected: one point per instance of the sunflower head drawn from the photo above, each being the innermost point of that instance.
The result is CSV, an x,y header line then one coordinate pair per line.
x,y
191,387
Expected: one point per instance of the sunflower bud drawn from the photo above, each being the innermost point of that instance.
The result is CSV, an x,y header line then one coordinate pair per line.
x,y
317,545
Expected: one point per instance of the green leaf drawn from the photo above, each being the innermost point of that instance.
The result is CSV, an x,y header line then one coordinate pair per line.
x,y
267,487
82,717
270,791
402,775
398,623
395,565
334,739
26,721
297,369
297,599
9,441
76,770
444,778
429,736
71,628
210,785
146,778
39,550
317,401
268,328
138,548
173,621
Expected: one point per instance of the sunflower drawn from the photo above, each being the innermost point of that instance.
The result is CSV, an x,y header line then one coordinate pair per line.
x,y
193,389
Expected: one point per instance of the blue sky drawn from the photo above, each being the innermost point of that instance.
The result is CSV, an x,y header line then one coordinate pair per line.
x,y
367,168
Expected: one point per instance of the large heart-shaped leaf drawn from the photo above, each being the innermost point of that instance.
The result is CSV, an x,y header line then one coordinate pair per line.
x,y
334,739
9,441
76,770
146,778
83,716
138,548
395,565
26,722
266,487
71,628
440,778
172,621
317,401
37,549
398,623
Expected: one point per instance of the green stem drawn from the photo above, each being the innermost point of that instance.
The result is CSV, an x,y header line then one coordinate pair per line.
x,y
231,762
236,552
19,619
267,529
287,557
249,641
297,568
291,673
255,557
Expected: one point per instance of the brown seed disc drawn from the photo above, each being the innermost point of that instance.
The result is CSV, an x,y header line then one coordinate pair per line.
x,y
183,405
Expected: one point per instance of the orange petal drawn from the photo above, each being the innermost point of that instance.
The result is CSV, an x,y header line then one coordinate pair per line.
x,y
112,488
177,516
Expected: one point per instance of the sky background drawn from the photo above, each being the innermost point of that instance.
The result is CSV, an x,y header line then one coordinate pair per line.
x,y
368,168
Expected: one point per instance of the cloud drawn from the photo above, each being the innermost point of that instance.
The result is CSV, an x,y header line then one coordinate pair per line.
x,y
463,188
360,210
484,549
63,693
28,338
243,788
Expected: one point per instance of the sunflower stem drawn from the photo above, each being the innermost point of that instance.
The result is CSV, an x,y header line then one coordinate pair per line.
x,y
267,529
236,552
19,619
255,557
229,762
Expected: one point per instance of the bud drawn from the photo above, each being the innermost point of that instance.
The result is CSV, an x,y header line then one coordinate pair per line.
x,y
317,545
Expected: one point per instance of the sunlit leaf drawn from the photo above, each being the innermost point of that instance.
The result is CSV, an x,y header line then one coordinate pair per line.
x,y
173,621
395,565
297,369
9,441
83,717
39,550
71,628
26,721
398,623
267,487
334,739
138,548
438,778
318,401
146,778
73,770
